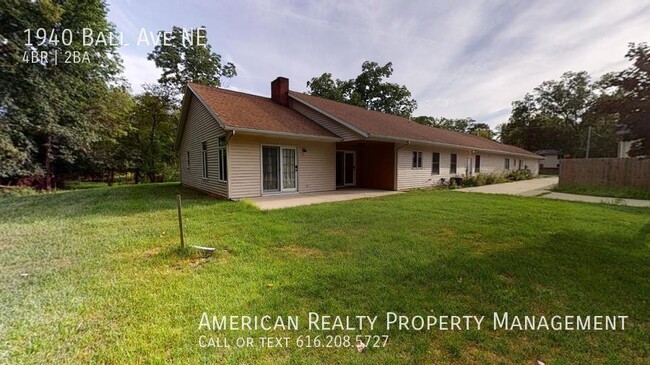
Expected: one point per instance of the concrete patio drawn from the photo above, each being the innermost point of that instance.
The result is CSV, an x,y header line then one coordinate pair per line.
x,y
280,201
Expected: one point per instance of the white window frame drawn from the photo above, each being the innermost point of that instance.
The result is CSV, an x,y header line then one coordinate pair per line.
x,y
433,161
222,155
416,160
204,160
453,163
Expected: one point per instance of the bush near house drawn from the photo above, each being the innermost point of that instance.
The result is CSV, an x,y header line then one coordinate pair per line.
x,y
494,178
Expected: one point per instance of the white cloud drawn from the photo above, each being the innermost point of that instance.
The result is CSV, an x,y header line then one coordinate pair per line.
x,y
138,71
460,59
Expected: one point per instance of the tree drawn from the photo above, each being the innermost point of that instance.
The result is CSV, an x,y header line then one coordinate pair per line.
x,y
557,115
188,57
154,129
324,87
631,103
461,125
368,90
110,154
48,108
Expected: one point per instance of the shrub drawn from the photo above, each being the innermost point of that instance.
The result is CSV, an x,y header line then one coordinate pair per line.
x,y
493,178
517,175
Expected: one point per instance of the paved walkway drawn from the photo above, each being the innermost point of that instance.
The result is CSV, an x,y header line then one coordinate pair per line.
x,y
279,201
598,199
542,186
531,187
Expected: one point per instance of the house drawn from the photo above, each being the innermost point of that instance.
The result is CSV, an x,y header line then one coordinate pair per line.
x,y
551,160
236,145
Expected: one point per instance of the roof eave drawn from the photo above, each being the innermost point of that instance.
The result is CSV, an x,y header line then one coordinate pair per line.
x,y
263,132
329,115
450,145
185,109
181,124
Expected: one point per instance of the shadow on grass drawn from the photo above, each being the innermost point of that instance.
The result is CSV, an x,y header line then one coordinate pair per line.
x,y
108,201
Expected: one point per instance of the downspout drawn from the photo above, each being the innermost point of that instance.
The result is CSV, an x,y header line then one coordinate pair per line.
x,y
406,143
232,133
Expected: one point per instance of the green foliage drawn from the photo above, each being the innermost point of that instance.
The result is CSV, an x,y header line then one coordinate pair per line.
x,y
48,110
631,102
496,178
368,90
518,175
189,58
155,119
461,125
558,114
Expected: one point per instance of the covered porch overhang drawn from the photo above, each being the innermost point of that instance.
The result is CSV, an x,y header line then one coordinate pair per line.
x,y
366,164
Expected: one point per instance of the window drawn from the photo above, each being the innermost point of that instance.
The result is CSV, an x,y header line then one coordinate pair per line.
x,y
520,163
204,158
223,160
188,158
477,164
417,160
453,163
507,164
435,164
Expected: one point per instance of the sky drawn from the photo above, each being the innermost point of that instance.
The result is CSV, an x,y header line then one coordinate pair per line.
x,y
458,58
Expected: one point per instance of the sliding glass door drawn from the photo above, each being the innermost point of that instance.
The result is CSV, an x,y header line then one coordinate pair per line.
x,y
279,169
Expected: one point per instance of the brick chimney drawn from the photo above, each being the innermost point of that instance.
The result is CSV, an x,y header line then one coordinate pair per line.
x,y
280,91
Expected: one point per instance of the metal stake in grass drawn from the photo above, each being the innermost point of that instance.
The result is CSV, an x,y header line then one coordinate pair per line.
x,y
180,218
205,250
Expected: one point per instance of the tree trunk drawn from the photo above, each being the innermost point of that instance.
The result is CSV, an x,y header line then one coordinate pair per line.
x,y
48,163
111,177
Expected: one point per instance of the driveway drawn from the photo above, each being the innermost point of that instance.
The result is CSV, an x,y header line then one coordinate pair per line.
x,y
524,188
279,201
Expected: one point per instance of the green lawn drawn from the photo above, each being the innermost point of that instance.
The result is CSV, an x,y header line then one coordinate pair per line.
x,y
94,275
611,192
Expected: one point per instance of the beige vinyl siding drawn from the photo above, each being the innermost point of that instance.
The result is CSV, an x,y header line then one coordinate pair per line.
x,y
201,127
326,122
316,166
410,178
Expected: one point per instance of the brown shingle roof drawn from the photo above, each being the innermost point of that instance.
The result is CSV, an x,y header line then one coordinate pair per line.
x,y
378,124
240,110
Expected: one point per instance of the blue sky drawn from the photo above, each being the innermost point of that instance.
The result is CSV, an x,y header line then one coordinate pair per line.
x,y
458,58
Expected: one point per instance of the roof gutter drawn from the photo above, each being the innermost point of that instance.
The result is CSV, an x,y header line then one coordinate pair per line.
x,y
450,145
260,132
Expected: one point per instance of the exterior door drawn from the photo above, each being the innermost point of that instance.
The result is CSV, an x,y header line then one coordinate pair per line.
x,y
350,169
346,168
289,168
279,169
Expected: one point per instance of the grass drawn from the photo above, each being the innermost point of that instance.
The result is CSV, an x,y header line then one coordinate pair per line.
x,y
96,276
612,192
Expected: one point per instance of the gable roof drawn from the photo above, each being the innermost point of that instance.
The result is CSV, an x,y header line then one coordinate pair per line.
x,y
245,112
380,125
